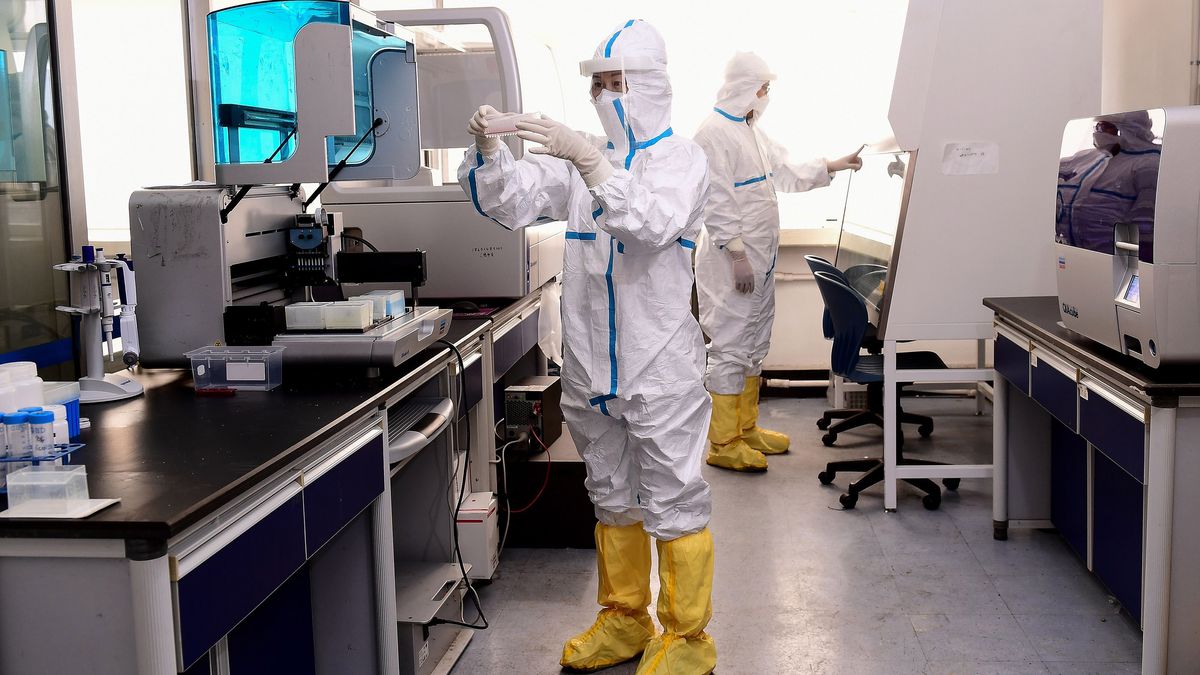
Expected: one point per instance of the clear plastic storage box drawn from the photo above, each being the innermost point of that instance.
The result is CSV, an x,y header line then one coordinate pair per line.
x,y
348,315
252,368
305,315
55,488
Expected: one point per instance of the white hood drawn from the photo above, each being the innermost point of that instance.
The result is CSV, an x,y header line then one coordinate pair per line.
x,y
642,114
745,74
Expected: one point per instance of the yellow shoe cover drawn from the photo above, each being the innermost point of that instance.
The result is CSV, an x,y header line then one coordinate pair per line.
x,y
736,456
685,568
726,449
614,638
623,627
764,440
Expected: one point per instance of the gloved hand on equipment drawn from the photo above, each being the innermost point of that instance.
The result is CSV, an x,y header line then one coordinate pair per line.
x,y
477,127
558,140
851,161
743,273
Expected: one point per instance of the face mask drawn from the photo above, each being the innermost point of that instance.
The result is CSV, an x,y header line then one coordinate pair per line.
x,y
606,108
1103,141
760,105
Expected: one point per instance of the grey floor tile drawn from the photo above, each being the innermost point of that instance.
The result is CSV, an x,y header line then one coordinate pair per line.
x,y
1059,594
954,593
871,636
1026,552
1094,668
1081,638
986,668
864,667
941,560
984,637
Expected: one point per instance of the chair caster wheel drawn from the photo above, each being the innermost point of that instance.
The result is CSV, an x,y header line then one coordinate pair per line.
x,y
823,423
826,477
951,484
848,500
829,439
926,430
932,502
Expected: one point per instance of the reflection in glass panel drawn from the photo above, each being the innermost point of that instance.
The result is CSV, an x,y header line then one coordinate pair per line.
x,y
1108,182
32,235
874,204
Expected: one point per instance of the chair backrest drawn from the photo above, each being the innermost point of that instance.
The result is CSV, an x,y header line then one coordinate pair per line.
x,y
848,314
818,264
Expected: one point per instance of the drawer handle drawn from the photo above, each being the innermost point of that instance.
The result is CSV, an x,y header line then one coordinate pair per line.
x,y
423,432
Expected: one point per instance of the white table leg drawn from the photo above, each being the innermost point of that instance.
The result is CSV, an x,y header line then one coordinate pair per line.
x,y
1156,604
999,457
980,362
890,425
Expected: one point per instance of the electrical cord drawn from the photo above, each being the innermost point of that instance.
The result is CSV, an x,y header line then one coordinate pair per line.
x,y
360,240
462,568
545,481
496,429
504,478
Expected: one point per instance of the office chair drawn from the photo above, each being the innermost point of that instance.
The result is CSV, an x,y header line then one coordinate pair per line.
x,y
848,314
855,417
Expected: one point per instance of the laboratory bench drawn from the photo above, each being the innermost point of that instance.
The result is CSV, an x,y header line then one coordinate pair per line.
x,y
307,529
1095,444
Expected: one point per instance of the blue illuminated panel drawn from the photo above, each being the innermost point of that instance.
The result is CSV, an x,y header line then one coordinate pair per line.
x,y
253,73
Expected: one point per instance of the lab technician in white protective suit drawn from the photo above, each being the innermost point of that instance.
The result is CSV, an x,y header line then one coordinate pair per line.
x,y
735,263
632,375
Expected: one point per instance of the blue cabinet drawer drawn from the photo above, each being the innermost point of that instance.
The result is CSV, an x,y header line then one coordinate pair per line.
x,y
339,493
1011,360
508,348
222,589
1069,487
1053,386
1116,429
1117,514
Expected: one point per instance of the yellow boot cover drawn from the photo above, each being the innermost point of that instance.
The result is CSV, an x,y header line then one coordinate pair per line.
x,y
726,449
623,627
765,441
685,568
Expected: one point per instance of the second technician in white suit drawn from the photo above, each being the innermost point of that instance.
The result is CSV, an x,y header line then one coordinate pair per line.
x,y
735,263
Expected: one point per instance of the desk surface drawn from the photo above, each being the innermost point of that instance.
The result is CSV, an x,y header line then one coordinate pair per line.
x,y
1039,316
173,457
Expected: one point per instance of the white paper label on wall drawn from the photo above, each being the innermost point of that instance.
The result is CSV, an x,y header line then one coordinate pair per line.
x,y
969,159
246,372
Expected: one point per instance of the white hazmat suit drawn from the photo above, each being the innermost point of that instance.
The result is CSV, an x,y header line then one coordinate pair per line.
x,y
632,374
746,169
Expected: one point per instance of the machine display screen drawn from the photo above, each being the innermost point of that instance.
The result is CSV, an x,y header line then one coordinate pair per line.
x,y
1108,182
1133,291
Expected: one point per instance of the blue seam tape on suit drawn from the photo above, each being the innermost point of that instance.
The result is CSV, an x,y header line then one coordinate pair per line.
x,y
749,181
732,118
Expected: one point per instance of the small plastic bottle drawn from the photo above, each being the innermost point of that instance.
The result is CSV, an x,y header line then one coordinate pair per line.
x,y
61,432
16,427
41,433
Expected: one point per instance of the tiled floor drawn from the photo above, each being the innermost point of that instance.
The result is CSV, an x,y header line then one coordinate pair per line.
x,y
803,587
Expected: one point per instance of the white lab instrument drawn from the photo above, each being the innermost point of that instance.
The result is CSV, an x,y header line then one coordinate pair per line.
x,y
433,213
92,300
1131,281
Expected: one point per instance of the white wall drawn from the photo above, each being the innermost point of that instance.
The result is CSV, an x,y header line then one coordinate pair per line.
x,y
132,106
1148,46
